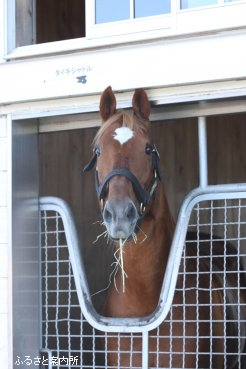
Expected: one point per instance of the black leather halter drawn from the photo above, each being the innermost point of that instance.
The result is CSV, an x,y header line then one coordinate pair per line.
x,y
143,194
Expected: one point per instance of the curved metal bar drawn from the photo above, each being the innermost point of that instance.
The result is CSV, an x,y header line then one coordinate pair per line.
x,y
147,323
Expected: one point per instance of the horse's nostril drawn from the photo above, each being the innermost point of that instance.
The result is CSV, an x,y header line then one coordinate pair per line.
x,y
107,215
121,213
131,212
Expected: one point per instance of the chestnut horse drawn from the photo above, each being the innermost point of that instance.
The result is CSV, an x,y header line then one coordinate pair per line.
x,y
135,212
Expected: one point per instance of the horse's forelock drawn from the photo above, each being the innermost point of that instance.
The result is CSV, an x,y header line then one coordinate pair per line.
x,y
127,119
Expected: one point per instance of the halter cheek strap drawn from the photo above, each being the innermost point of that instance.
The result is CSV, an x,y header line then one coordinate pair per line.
x,y
143,194
92,161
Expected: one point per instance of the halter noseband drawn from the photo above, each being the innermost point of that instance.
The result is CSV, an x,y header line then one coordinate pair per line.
x,y
143,194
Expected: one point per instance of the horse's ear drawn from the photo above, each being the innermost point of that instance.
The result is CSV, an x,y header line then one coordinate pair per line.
x,y
141,104
107,104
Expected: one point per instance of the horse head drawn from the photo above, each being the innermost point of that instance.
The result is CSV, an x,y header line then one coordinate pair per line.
x,y
127,167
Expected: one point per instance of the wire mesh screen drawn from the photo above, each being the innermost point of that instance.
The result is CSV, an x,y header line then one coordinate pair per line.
x,y
205,327
66,335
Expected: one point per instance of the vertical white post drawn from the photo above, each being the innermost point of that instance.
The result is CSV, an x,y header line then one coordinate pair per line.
x,y
145,350
175,7
132,9
203,160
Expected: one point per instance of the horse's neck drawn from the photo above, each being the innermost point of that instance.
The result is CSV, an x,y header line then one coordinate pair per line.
x,y
145,261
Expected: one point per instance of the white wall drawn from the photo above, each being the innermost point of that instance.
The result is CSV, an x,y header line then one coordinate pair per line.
x,y
160,64
4,241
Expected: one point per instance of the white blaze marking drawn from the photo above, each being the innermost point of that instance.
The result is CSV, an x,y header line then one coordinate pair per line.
x,y
123,134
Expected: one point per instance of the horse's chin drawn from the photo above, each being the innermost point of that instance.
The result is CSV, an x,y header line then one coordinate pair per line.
x,y
121,235
123,240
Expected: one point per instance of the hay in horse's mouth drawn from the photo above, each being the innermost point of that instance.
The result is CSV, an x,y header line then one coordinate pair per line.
x,y
132,237
121,264
119,258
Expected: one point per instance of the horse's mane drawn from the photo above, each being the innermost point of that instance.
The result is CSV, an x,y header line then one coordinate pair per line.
x,y
126,119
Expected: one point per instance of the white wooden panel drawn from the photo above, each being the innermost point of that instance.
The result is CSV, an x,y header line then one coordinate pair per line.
x,y
3,261
4,358
3,226
3,127
214,18
4,295
3,188
3,154
159,64
201,93
3,130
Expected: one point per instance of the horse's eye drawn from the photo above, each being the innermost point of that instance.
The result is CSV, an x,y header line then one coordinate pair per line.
x,y
148,149
97,151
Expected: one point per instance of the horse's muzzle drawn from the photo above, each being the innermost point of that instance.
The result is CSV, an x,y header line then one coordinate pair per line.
x,y
120,217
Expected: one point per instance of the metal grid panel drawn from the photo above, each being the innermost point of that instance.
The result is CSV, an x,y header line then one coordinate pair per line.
x,y
66,335
189,336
